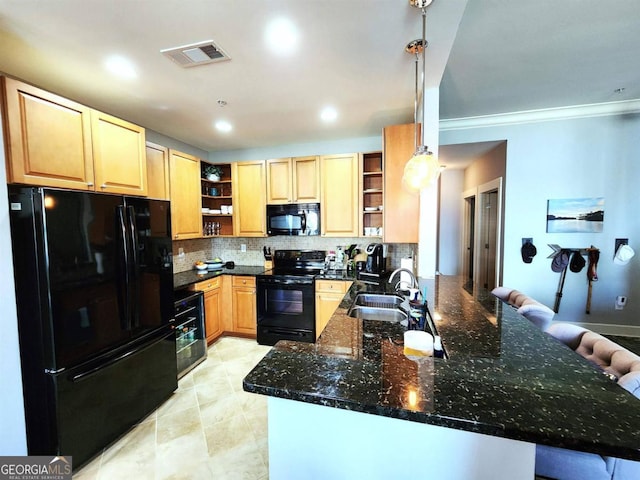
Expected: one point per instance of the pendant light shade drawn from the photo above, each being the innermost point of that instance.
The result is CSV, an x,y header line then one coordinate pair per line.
x,y
422,170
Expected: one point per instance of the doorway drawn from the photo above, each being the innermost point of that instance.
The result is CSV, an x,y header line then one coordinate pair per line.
x,y
482,234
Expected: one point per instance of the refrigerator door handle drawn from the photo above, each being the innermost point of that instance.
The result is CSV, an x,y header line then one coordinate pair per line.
x,y
123,277
133,269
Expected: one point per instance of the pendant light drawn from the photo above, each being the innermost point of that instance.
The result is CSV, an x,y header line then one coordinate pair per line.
x,y
422,169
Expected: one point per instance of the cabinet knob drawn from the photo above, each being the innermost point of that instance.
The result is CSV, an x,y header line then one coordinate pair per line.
x,y
89,184
103,186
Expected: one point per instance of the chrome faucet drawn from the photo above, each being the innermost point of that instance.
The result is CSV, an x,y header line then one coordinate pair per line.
x,y
414,282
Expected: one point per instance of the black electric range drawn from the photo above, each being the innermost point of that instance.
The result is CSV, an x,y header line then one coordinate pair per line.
x,y
286,297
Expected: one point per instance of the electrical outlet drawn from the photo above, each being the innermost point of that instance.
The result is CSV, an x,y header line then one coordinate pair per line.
x,y
180,252
243,247
621,301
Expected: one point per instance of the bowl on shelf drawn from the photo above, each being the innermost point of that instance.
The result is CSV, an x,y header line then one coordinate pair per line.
x,y
201,266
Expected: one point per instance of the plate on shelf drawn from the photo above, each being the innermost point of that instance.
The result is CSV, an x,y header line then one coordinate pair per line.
x,y
370,209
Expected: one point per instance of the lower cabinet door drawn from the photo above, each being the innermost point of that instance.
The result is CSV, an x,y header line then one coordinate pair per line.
x,y
213,323
244,305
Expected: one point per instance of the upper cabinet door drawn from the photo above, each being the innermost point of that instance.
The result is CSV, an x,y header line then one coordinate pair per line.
x,y
48,138
157,171
401,208
186,213
306,179
293,180
339,206
279,180
119,155
249,199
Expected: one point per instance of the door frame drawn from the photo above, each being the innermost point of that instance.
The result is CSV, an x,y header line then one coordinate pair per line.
x,y
491,186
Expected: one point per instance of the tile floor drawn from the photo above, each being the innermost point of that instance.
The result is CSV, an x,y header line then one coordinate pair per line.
x,y
209,429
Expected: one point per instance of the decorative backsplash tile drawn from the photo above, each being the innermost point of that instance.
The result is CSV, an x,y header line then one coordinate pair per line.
x,y
230,249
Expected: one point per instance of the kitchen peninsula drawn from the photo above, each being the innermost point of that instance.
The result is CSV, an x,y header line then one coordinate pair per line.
x,y
505,387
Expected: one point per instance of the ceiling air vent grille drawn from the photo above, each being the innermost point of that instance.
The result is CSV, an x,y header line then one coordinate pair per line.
x,y
196,54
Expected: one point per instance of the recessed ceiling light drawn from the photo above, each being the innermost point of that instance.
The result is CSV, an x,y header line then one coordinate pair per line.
x,y
281,36
223,126
328,114
120,67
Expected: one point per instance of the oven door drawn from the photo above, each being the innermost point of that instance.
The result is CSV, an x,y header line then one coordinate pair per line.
x,y
286,307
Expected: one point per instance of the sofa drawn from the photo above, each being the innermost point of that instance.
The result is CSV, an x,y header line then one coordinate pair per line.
x,y
534,311
622,366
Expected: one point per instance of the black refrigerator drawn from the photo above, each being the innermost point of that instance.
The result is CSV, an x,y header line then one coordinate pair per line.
x,y
94,289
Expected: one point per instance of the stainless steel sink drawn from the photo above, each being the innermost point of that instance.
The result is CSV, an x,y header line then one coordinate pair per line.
x,y
380,301
374,313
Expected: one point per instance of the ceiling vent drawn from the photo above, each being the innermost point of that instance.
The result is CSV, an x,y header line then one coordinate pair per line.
x,y
196,54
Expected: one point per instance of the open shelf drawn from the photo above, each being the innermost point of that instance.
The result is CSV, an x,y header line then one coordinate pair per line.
x,y
372,193
217,194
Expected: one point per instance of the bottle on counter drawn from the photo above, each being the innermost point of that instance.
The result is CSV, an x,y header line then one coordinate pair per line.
x,y
438,351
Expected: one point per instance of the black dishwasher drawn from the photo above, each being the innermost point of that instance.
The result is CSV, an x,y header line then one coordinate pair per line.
x,y
191,342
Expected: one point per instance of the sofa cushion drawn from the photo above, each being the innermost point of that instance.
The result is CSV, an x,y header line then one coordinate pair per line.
x,y
631,383
565,464
502,293
538,314
597,349
567,333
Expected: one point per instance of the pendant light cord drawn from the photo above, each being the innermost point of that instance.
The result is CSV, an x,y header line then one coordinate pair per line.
x,y
415,108
424,70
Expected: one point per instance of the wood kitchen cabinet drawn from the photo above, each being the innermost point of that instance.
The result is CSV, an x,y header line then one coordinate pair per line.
x,y
293,180
329,294
157,171
401,207
249,199
212,307
372,190
339,200
186,216
217,198
55,142
119,157
243,294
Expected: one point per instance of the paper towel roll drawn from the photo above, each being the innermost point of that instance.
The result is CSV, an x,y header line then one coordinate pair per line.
x,y
405,279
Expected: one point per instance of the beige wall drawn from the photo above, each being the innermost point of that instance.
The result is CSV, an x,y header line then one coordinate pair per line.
x,y
487,167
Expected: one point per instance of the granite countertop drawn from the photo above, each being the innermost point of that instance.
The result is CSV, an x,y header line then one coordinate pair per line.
x,y
189,277
504,376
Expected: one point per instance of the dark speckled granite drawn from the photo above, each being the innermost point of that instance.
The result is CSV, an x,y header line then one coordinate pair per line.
x,y
503,377
184,279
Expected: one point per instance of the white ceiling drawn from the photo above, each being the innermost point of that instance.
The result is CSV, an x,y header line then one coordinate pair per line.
x,y
506,55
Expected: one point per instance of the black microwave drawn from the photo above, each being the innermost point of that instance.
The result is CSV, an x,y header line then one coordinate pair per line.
x,y
293,219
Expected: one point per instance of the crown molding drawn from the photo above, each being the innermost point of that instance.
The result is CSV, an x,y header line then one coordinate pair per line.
x,y
542,115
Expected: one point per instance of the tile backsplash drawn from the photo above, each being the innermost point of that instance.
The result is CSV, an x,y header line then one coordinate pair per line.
x,y
229,248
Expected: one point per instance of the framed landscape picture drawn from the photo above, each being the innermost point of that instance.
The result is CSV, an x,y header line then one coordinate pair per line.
x,y
575,215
